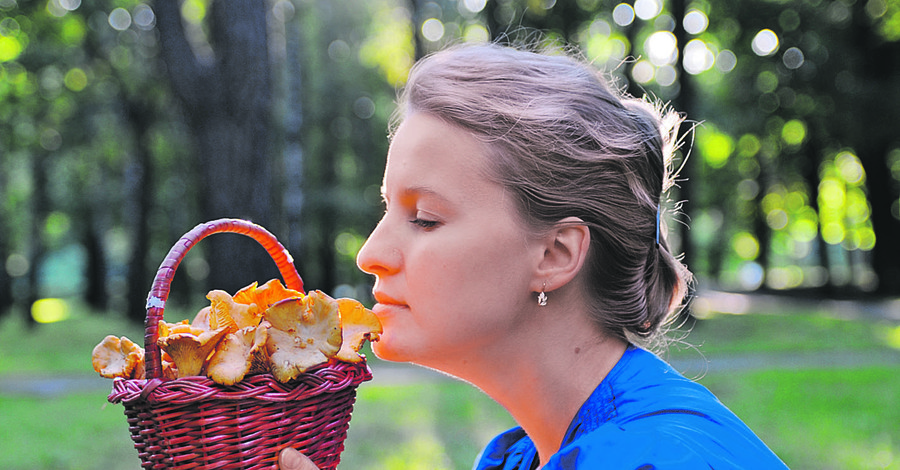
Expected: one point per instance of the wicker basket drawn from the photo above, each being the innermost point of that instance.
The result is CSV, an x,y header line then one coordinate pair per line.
x,y
193,422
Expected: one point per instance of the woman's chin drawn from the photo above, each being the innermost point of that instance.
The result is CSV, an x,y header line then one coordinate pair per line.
x,y
385,351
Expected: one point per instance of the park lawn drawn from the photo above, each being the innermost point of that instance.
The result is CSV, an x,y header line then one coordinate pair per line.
x,y
75,431
814,418
820,418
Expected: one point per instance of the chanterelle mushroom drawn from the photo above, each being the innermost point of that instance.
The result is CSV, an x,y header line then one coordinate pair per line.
x,y
305,332
225,312
358,324
118,357
189,351
201,320
240,353
265,295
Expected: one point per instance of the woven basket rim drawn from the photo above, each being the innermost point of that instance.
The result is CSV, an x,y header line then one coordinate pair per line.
x,y
325,378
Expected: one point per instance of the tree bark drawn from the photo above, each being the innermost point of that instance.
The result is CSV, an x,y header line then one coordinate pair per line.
x,y
227,104
6,297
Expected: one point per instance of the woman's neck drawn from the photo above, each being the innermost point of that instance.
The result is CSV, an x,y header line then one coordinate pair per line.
x,y
545,373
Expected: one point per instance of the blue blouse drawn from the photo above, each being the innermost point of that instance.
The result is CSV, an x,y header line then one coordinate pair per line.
x,y
643,415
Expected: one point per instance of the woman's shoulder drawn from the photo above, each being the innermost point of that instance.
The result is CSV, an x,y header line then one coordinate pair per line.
x,y
644,414
663,417
663,448
632,448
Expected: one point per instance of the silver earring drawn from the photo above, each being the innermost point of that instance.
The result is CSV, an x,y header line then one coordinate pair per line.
x,y
542,297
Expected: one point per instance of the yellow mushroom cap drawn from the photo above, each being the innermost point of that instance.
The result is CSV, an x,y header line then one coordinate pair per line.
x,y
189,351
305,332
225,312
266,295
239,354
118,357
358,324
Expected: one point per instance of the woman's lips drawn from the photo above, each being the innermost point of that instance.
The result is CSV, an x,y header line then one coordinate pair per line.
x,y
383,298
386,304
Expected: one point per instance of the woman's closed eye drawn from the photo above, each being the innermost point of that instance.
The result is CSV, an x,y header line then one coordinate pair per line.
x,y
424,223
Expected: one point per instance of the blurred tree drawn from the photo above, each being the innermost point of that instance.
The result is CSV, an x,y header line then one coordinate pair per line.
x,y
874,93
794,169
6,297
218,63
346,104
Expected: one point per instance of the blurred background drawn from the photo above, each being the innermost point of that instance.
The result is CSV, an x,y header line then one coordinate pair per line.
x,y
123,124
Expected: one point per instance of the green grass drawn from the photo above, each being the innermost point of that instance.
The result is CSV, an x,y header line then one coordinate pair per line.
x,y
820,419
431,426
728,334
77,431
814,418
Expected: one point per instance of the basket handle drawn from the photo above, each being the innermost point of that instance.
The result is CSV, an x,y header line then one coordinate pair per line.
x,y
162,283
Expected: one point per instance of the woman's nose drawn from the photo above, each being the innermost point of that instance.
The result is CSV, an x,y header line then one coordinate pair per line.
x,y
378,256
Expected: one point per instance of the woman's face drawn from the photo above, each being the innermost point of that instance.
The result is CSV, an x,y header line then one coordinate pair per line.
x,y
452,262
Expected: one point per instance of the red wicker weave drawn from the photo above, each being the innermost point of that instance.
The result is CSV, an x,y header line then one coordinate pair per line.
x,y
193,422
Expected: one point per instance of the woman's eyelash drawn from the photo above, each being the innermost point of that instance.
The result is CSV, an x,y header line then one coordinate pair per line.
x,y
424,223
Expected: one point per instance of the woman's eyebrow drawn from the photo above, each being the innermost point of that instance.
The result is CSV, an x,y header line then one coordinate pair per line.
x,y
417,191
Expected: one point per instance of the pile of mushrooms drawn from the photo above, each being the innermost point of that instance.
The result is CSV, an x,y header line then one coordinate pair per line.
x,y
261,329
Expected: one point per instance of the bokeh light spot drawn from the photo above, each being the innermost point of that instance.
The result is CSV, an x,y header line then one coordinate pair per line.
x,y
432,29
476,33
697,57
833,233
666,75
766,82
647,9
765,43
623,14
695,22
364,107
745,246
49,310
777,219
715,146
850,167
793,58
793,132
348,244
661,48
10,48
193,11
17,265
726,61
76,79
643,71
120,19
145,19
804,230
474,6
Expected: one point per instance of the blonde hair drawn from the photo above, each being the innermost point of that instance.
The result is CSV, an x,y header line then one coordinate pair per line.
x,y
565,143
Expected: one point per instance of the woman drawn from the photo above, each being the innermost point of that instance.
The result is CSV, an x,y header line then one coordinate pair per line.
x,y
521,251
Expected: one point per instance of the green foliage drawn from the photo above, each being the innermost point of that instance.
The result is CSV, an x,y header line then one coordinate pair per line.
x,y
97,150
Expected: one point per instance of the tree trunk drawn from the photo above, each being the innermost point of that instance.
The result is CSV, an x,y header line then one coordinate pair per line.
x,y
871,126
6,297
95,292
294,189
38,252
140,179
228,108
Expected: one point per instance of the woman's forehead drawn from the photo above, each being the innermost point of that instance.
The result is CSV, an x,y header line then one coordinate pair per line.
x,y
427,154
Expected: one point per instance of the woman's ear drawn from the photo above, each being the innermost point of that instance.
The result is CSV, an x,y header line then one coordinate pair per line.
x,y
565,251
